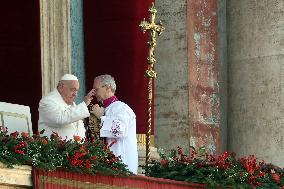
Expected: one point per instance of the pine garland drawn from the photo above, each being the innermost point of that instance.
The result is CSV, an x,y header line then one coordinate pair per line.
x,y
78,155
224,171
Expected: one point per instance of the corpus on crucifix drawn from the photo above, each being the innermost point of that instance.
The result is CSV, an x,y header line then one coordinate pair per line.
x,y
153,29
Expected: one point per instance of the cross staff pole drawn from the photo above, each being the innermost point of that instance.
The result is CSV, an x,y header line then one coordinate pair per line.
x,y
153,29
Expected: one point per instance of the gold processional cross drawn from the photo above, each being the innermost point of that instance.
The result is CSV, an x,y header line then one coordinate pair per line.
x,y
153,29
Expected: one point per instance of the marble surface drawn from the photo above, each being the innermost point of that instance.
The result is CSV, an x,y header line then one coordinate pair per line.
x,y
17,177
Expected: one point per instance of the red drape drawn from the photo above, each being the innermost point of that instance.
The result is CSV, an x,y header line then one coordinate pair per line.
x,y
68,180
20,67
115,44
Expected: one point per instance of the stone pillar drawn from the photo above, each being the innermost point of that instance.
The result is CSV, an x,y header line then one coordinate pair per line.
x,y
223,72
203,70
55,42
171,85
187,88
256,71
77,47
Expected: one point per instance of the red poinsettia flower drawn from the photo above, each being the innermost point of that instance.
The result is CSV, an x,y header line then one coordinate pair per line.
x,y
105,148
22,144
44,141
37,133
164,162
261,174
15,134
18,147
94,158
77,138
88,164
275,177
19,151
222,161
250,164
182,155
55,136
25,135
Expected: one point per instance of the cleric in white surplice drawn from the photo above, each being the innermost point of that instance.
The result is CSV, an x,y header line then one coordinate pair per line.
x,y
59,113
118,122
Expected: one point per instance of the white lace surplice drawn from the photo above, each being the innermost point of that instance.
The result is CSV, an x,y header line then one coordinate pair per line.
x,y
119,123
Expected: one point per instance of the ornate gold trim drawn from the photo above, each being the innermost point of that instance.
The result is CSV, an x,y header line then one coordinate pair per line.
x,y
141,139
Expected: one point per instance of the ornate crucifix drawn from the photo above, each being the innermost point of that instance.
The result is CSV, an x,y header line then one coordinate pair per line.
x,y
153,29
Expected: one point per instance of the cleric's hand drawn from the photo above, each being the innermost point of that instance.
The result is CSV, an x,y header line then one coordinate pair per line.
x,y
97,111
89,97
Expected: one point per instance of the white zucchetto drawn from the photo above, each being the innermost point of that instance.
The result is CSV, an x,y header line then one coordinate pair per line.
x,y
69,77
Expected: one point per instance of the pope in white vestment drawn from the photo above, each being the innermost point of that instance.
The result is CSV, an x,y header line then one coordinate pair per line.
x,y
118,122
59,113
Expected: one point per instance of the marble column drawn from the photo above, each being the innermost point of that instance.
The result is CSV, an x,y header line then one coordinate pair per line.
x,y
55,42
77,46
187,89
203,73
256,70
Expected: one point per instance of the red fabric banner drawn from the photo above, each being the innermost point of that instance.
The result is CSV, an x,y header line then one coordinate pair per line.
x,y
20,64
69,180
115,44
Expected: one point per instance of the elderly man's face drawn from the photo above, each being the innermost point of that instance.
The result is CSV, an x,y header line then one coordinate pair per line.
x,y
100,91
69,90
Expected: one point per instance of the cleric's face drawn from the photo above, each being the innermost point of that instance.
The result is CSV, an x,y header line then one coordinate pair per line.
x,y
100,91
69,90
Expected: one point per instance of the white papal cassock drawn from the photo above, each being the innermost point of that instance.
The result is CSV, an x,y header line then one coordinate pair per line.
x,y
119,123
55,115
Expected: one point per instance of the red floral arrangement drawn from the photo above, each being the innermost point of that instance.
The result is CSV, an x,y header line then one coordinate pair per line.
x,y
78,155
223,171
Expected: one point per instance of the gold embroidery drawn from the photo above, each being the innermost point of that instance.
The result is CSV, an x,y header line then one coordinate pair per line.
x,y
94,125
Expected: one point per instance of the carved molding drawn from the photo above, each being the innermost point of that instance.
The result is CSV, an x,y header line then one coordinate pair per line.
x,y
55,42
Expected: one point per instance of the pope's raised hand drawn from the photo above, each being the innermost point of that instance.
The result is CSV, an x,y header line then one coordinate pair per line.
x,y
89,97
97,111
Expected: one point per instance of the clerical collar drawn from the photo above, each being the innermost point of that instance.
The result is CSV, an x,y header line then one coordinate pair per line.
x,y
108,101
